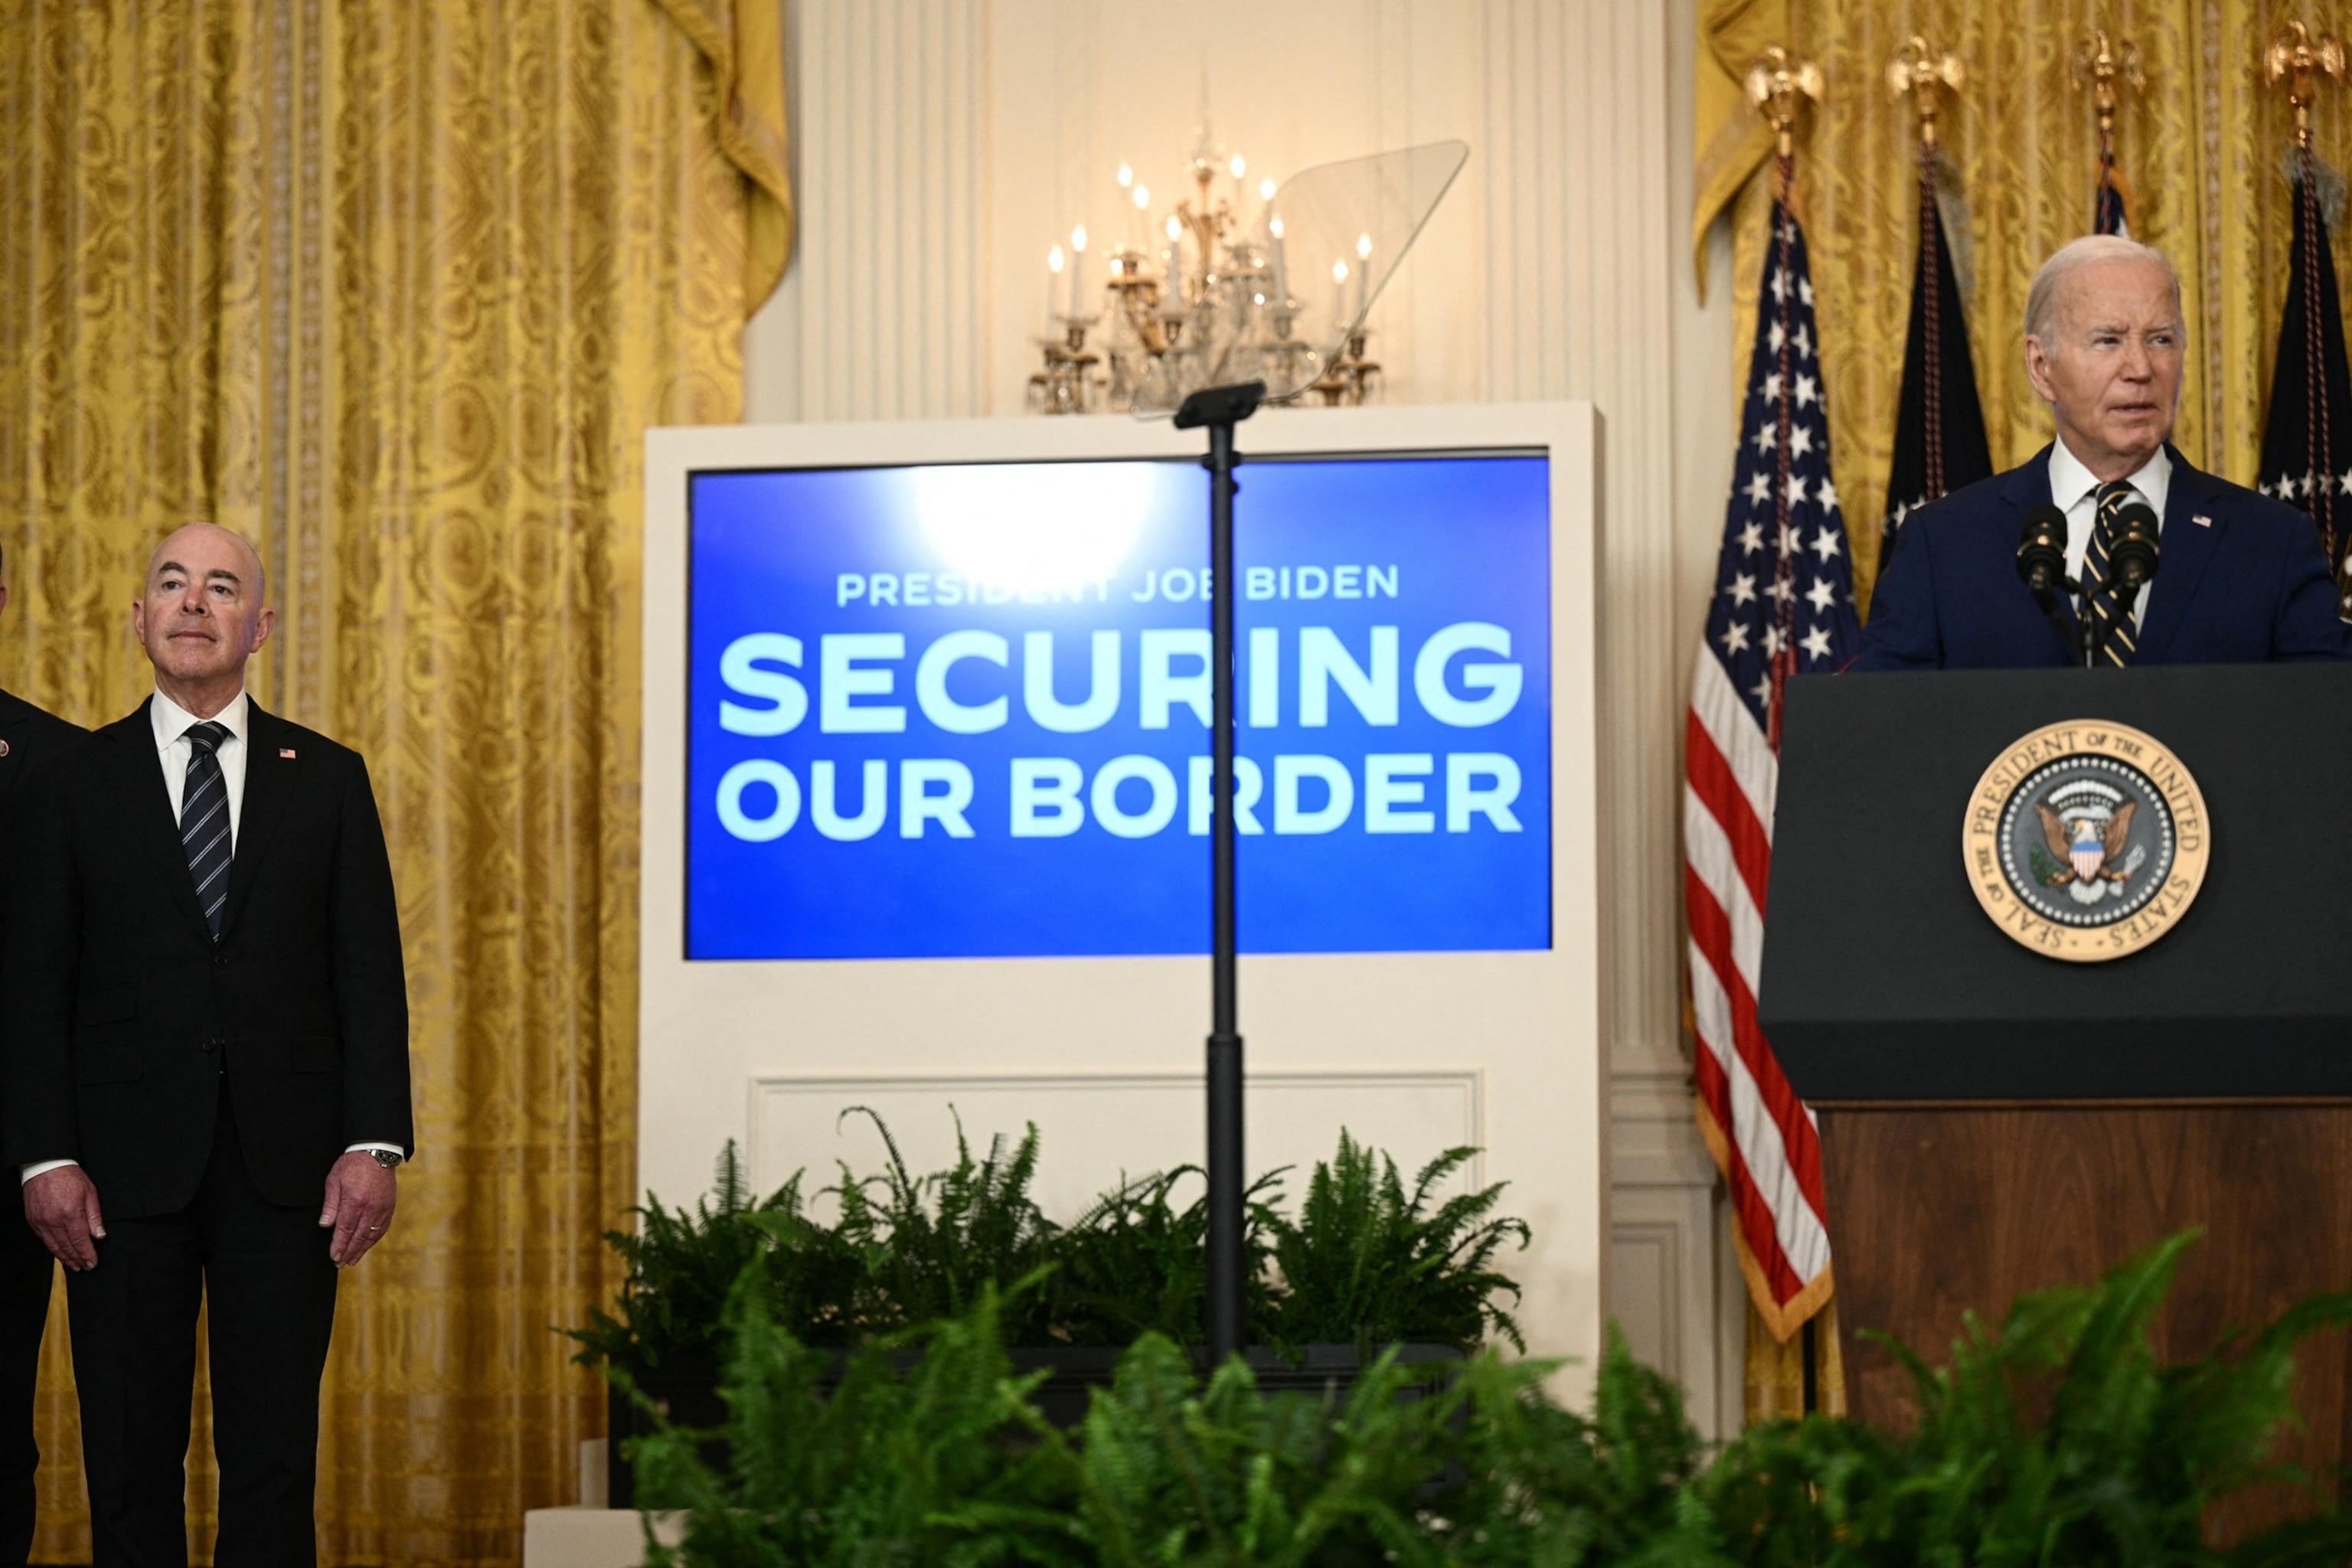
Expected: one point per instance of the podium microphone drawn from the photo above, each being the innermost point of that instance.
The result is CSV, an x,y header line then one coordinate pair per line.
x,y
2131,559
2041,562
2042,554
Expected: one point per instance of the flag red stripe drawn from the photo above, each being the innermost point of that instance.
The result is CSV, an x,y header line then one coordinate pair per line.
x,y
1711,778
1746,1198
1712,932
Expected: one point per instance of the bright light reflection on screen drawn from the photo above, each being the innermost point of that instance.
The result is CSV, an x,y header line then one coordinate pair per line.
x,y
1030,526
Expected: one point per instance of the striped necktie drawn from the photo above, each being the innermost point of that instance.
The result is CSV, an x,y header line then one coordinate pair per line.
x,y
2114,639
204,821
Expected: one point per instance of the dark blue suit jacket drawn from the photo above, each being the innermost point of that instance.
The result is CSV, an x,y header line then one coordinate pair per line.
x,y
2240,580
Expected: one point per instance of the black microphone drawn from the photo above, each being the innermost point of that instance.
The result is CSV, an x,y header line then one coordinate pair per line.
x,y
2131,555
2042,554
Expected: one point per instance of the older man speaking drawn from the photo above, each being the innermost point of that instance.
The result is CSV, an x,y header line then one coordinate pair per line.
x,y
2240,579
205,1079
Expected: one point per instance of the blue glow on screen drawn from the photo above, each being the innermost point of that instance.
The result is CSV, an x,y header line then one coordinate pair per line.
x,y
963,711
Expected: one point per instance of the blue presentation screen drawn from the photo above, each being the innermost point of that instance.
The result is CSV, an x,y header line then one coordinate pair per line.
x,y
963,711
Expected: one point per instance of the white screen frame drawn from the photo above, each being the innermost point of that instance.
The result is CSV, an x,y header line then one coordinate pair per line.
x,y
1528,1033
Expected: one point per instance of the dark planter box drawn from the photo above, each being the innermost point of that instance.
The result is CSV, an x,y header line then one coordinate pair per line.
x,y
688,1392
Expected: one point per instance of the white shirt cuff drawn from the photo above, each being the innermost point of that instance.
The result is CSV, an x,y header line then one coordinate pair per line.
x,y
42,1167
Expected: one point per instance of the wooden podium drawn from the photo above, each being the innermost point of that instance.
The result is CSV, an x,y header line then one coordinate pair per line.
x,y
1994,1121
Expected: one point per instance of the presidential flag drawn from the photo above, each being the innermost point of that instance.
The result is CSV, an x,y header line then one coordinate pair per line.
x,y
2307,440
1783,606
1939,429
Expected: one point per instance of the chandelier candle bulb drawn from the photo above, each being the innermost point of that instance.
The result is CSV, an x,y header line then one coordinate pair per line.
x,y
1078,272
1281,272
1054,263
1339,297
1363,274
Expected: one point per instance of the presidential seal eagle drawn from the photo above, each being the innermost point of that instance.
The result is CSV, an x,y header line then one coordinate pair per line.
x,y
2085,849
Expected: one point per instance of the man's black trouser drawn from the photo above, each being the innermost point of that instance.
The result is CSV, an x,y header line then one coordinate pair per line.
x,y
264,1275
27,1273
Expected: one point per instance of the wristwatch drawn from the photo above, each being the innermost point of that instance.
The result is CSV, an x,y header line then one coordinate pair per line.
x,y
385,1158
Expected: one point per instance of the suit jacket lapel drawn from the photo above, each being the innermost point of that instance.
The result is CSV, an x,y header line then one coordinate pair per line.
x,y
2027,486
138,773
2184,549
268,782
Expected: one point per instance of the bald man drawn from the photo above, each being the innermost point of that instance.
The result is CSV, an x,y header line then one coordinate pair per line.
x,y
204,1065
2241,578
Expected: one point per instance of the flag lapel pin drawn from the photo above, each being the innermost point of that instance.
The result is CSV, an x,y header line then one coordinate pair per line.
x,y
287,752
2202,520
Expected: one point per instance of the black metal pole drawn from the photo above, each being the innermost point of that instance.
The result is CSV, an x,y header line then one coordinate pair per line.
x,y
1226,1177
1220,409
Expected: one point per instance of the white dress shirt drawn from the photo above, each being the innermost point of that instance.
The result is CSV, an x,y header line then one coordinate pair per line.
x,y
2074,489
171,723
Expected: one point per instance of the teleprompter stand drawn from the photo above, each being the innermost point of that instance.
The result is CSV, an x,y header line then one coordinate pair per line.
x,y
1218,409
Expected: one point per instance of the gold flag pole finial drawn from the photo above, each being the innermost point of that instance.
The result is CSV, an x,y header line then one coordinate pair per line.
x,y
2301,58
1924,71
1778,87
2102,64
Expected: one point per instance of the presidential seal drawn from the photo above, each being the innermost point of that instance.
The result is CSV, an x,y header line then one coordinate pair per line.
x,y
2085,841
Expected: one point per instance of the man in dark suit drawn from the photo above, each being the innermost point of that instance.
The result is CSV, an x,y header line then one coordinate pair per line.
x,y
204,1078
29,737
2241,578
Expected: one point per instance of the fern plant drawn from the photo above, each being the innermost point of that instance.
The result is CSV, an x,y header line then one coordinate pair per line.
x,y
1365,1263
1171,1470
2058,1439
1537,1483
1135,1263
683,1265
903,1460
929,1246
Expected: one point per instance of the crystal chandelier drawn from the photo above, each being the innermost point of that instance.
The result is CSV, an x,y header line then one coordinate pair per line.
x,y
1198,301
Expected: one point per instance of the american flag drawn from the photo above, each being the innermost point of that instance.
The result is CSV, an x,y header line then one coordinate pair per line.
x,y
1783,606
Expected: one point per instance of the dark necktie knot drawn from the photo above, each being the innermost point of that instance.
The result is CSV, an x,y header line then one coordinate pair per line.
x,y
207,736
2114,495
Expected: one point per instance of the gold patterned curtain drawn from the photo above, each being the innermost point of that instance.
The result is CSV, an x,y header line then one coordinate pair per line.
x,y
2202,149
396,289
